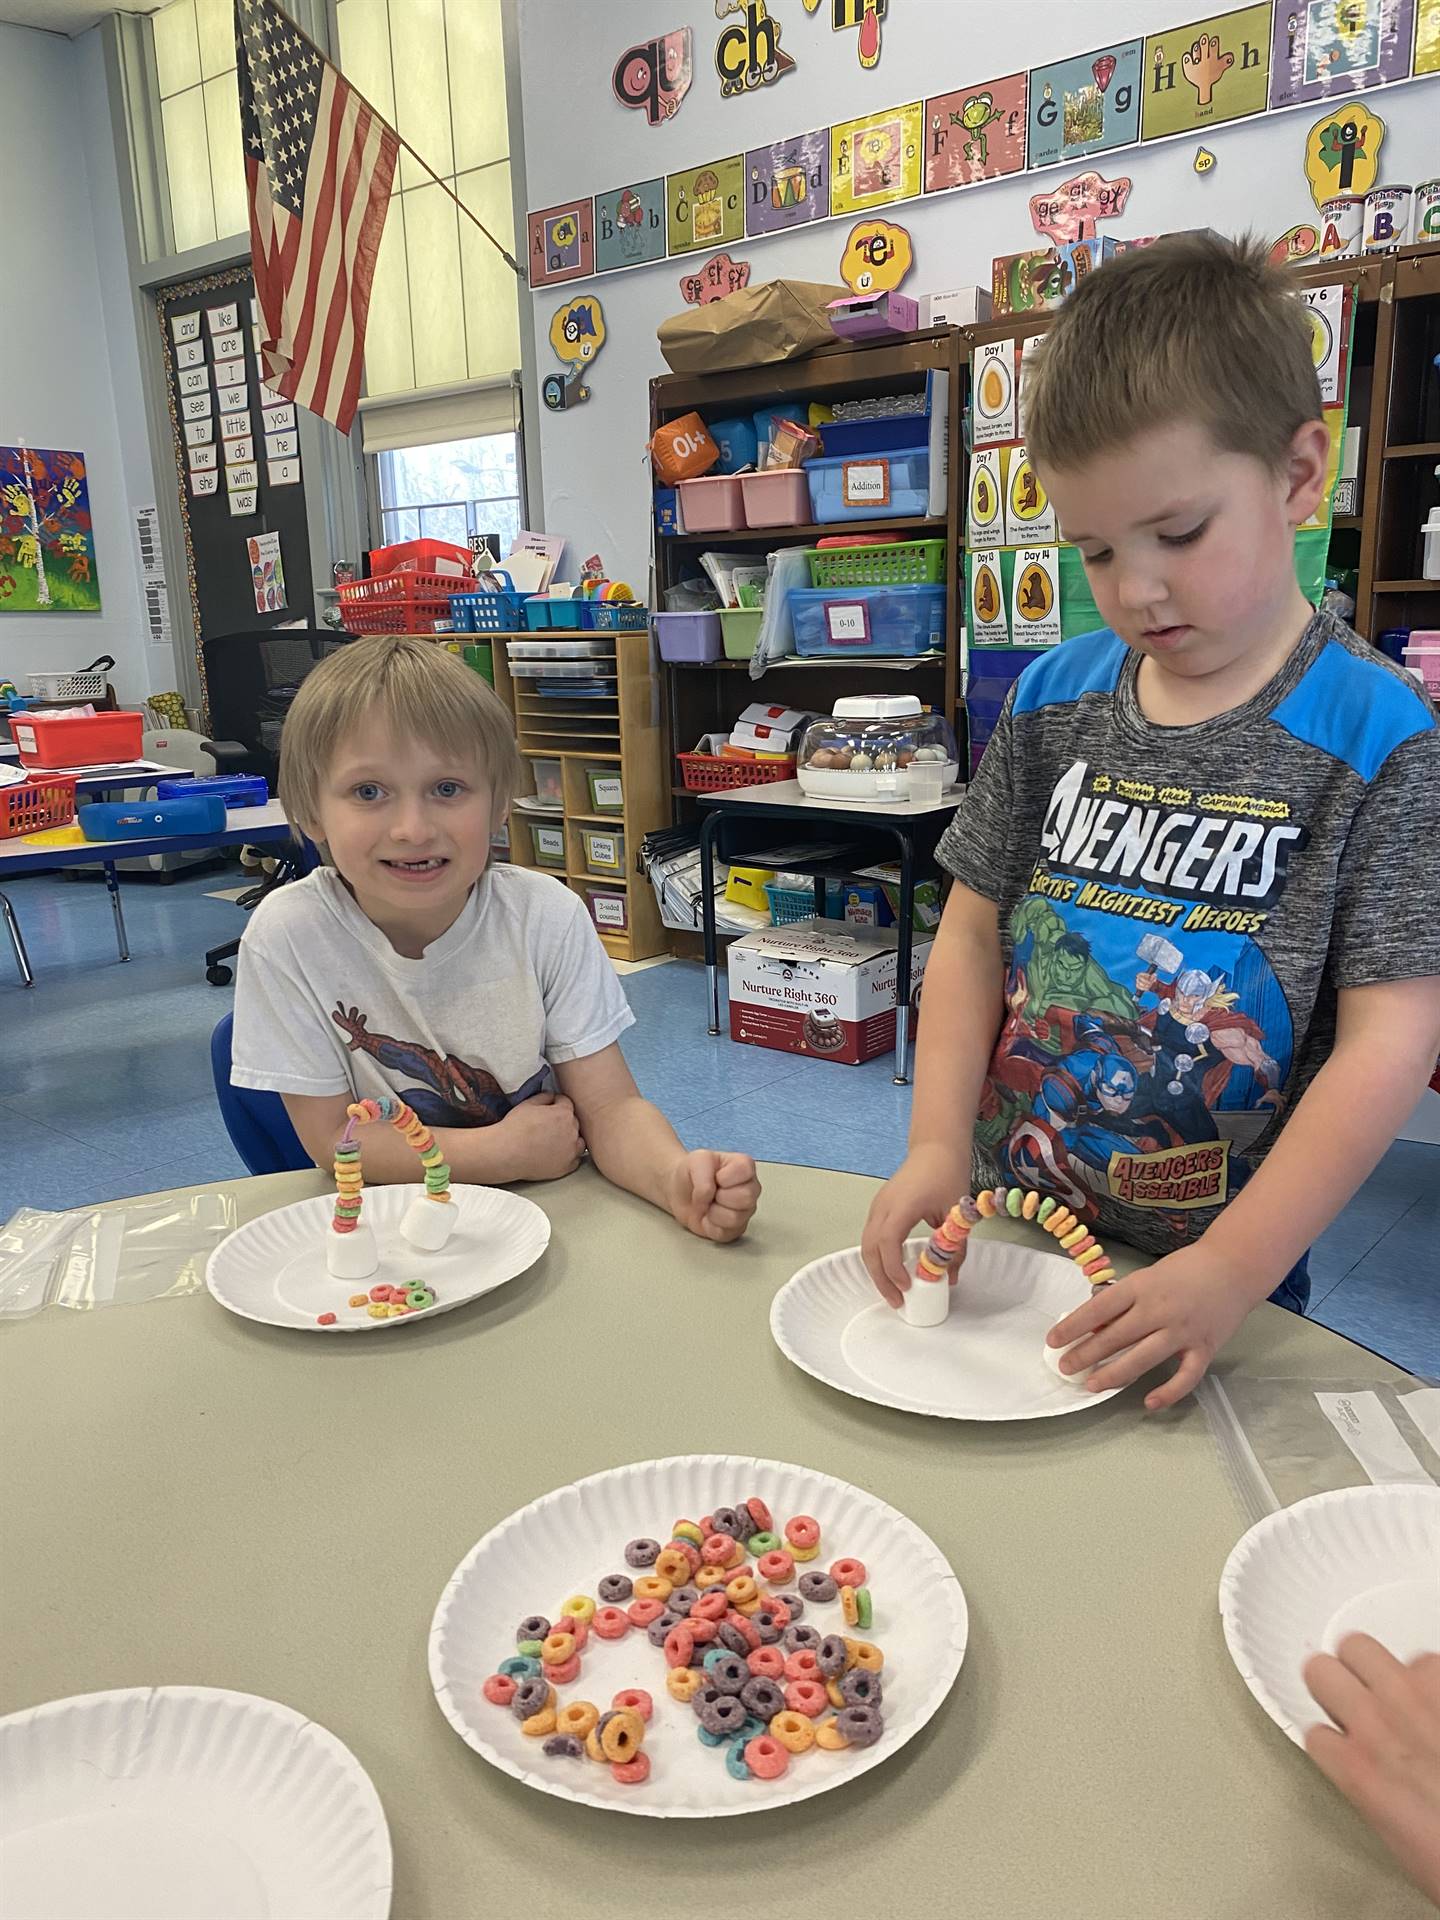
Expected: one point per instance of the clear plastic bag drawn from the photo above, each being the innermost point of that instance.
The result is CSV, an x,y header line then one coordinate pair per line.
x,y
1281,1440
109,1256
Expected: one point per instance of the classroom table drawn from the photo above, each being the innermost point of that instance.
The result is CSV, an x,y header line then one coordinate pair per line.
x,y
193,1498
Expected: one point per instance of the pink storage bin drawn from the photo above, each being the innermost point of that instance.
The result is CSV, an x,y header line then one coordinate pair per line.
x,y
1422,657
779,499
712,505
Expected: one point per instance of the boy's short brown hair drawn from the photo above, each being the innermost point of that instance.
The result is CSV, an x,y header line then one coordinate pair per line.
x,y
421,689
1194,328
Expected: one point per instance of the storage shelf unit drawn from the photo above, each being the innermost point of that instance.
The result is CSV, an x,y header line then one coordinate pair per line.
x,y
1404,448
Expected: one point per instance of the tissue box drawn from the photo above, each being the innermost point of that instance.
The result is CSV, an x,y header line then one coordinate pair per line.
x,y
818,988
871,316
957,307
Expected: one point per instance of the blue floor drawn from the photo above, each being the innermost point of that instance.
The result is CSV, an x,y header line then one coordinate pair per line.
x,y
105,1091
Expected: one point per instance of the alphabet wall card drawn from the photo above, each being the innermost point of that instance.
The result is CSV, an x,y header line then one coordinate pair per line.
x,y
1069,212
789,183
988,626
748,53
281,446
195,406
975,134
561,244
192,379
1342,153
994,390
714,280
1322,48
655,75
1028,512
1427,37
47,538
985,521
240,449
877,257
630,225
283,473
706,206
864,14
242,474
1206,72
1085,104
1035,598
230,373
876,160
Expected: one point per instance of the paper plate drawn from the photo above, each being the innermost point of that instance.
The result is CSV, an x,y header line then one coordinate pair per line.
x,y
273,1269
158,1802
986,1362
1361,1560
568,1541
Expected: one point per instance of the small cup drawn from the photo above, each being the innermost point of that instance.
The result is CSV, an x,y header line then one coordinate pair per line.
x,y
927,783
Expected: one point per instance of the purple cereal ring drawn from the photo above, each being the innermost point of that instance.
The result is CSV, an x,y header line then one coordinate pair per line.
x,y
794,1606
725,1713
701,1696
832,1655
767,1625
861,1726
615,1588
729,1673
682,1599
642,1553
731,1638
794,1638
763,1698
533,1627
818,1587
659,1628
531,1696
861,1688
729,1520
563,1746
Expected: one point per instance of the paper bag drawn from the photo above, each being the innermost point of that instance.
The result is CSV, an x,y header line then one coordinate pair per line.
x,y
750,328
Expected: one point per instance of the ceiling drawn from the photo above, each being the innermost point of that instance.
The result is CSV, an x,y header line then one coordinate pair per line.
x,y
68,16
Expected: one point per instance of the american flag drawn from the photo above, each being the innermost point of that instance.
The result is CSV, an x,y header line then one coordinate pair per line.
x,y
318,166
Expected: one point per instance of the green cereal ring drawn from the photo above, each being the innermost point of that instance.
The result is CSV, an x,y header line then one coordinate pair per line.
x,y
764,1543
1014,1200
419,1298
864,1607
528,1649
1045,1209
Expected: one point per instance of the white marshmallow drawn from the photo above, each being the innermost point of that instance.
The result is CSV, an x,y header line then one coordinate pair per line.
x,y
351,1256
927,1302
428,1224
1053,1357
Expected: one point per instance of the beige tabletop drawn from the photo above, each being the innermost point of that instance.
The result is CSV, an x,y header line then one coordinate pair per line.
x,y
190,1497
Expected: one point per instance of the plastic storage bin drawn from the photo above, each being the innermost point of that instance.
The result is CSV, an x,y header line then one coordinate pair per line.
x,y
609,909
397,602
235,789
422,556
778,499
34,805
549,782
604,850
614,616
77,740
895,621
688,639
896,563
607,791
882,486
1422,657
714,504
712,773
542,615
867,747
739,630
549,843
500,612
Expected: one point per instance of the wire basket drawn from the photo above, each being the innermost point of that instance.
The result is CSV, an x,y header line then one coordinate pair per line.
x,y
905,563
399,602
711,773
67,686
36,804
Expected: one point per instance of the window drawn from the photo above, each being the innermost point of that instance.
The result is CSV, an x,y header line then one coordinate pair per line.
x,y
451,490
200,110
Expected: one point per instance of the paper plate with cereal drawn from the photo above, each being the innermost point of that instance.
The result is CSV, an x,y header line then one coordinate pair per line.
x,y
696,1637
974,1351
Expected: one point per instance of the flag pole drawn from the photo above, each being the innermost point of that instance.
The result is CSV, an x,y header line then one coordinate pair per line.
x,y
419,158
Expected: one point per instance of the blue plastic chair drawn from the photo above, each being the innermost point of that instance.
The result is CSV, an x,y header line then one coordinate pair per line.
x,y
257,1123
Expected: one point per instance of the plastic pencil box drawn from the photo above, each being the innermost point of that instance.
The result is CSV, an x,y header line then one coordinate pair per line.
x,y
235,789
150,819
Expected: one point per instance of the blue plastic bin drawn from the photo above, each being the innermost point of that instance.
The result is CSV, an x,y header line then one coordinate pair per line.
x,y
612,616
902,621
553,616
908,471
991,674
235,789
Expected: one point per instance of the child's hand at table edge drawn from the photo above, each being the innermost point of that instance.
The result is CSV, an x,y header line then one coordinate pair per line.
x,y
927,1184
714,1194
1385,1756
1188,1304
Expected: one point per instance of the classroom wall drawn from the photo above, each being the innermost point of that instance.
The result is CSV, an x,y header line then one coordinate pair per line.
x,y
69,368
596,482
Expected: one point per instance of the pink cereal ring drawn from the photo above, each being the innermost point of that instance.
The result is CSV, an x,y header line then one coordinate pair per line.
x,y
690,1551
612,1623
760,1514
578,1629
747,1628
802,1531
710,1606
642,1612
807,1697
562,1675
632,1773
702,1631
775,1567
774,1604
636,1699
717,1549
679,1646
803,1664
766,1663
499,1689
765,1757
848,1573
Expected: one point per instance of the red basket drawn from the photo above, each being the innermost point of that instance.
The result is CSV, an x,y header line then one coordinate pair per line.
x,y
400,602
36,804
417,556
709,773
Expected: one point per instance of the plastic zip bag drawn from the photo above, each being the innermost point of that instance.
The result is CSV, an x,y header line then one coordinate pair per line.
x,y
109,1256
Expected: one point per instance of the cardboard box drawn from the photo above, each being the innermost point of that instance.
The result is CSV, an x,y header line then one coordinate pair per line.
x,y
925,912
1026,282
955,307
819,988
874,316
1082,257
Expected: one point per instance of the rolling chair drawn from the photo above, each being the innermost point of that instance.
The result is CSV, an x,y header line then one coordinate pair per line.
x,y
257,1123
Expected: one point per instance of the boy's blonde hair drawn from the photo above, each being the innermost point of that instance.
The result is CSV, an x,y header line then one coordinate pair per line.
x,y
1194,328
420,689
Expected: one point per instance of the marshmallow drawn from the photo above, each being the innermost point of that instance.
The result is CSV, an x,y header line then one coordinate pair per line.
x,y
428,1224
1053,1357
352,1256
926,1303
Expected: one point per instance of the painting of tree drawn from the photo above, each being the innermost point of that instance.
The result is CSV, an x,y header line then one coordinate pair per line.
x,y
47,542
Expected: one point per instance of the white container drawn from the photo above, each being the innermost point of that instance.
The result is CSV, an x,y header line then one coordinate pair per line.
x,y
1342,221
956,307
1387,219
1425,226
889,734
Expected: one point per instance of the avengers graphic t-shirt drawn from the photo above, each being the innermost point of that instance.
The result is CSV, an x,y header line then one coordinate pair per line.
x,y
520,983
1179,907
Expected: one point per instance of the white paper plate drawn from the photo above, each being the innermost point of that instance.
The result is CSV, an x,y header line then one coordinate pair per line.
x,y
1361,1560
185,1803
273,1269
985,1363
568,1541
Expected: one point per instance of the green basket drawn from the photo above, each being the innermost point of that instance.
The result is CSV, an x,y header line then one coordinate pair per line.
x,y
739,630
906,563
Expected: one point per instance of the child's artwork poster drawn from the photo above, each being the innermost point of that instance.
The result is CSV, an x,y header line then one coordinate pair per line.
x,y
267,572
877,159
975,134
1205,72
1427,37
706,206
630,226
1085,104
47,541
1324,47
789,183
562,243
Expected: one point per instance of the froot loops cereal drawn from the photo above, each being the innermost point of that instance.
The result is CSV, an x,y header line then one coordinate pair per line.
x,y
350,1249
765,1689
927,1301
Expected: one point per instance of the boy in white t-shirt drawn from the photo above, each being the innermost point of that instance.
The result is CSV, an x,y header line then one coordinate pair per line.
x,y
409,965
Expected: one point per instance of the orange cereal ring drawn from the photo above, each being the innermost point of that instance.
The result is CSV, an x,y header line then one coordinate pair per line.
x,y
636,1700
708,1577
577,1718
632,1773
741,1591
642,1612
539,1724
710,1606
836,1697
737,1557
622,1734
849,1606
806,1696
829,1736
612,1623
592,1746
653,1586
557,1648
564,1673
672,1565
848,1573
862,1654
793,1731
683,1683
717,1550
766,1758
766,1663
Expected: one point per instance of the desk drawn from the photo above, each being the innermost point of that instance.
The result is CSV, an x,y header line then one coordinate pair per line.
x,y
743,819
192,1498
243,826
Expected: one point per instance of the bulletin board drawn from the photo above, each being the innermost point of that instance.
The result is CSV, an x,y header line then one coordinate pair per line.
x,y
237,465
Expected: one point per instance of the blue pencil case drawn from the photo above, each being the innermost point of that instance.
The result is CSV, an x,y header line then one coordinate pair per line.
x,y
235,789
147,819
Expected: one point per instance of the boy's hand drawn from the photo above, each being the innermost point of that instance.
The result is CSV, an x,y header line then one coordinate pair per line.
x,y
1386,1757
713,1194
541,1138
926,1186
1188,1303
